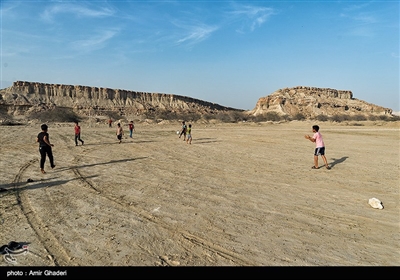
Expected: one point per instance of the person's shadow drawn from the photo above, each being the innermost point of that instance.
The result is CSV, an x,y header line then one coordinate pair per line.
x,y
337,161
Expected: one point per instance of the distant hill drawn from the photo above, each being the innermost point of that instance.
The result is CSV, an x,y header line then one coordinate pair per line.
x,y
30,97
312,102
24,98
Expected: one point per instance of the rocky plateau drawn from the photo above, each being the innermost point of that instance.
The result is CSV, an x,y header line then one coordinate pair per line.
x,y
23,98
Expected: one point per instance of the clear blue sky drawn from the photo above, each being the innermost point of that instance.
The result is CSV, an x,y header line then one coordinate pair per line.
x,y
226,52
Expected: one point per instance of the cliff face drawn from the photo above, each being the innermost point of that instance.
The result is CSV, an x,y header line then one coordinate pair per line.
x,y
311,102
84,97
25,97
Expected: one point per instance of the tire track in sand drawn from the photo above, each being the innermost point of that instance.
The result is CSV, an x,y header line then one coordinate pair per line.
x,y
184,235
59,255
56,251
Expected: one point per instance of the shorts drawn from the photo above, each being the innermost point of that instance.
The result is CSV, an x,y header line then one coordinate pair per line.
x,y
319,151
119,137
189,136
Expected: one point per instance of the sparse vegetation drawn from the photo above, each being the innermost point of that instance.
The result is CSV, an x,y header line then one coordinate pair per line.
x,y
10,123
65,114
299,117
322,118
359,117
394,118
383,117
338,118
372,118
357,124
269,116
225,117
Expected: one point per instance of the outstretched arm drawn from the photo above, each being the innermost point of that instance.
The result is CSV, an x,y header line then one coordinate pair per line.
x,y
309,138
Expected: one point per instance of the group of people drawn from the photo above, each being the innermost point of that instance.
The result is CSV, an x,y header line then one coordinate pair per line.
x,y
45,146
120,131
186,132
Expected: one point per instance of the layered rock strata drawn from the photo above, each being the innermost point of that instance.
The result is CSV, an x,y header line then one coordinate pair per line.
x,y
312,101
84,97
23,97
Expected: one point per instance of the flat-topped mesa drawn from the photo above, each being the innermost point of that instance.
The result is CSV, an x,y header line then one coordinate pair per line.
x,y
85,96
328,92
313,101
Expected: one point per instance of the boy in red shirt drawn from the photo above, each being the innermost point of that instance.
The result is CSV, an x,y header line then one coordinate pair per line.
x,y
131,128
78,134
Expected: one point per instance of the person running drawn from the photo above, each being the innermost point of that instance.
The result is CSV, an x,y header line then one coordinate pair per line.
x,y
120,132
320,147
189,135
131,128
45,147
78,134
183,131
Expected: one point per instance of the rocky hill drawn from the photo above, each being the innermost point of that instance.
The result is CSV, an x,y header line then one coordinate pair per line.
x,y
312,101
24,98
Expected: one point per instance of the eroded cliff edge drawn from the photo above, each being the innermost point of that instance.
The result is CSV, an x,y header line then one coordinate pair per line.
x,y
312,101
23,97
77,96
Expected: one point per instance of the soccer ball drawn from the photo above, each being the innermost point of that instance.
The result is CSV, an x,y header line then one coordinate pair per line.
x,y
177,132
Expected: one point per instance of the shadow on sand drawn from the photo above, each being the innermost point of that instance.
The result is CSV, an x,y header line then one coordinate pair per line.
x,y
337,161
47,183
43,184
100,163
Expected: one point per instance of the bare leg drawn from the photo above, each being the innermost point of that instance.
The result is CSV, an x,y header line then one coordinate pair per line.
x,y
316,161
325,161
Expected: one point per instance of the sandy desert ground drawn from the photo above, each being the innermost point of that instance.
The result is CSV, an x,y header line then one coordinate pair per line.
x,y
240,195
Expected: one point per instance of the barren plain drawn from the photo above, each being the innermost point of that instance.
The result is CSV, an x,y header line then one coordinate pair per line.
x,y
242,194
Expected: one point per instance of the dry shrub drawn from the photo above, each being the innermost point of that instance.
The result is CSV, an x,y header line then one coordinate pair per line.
x,y
208,116
372,117
165,115
383,117
394,118
359,117
299,117
224,117
340,118
10,123
322,118
191,116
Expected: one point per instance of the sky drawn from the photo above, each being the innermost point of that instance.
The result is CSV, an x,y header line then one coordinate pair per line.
x,y
227,52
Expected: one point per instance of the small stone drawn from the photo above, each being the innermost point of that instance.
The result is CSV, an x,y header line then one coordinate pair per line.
x,y
375,203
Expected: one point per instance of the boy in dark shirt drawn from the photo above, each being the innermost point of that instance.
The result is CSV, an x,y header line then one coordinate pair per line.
x,y
183,131
45,147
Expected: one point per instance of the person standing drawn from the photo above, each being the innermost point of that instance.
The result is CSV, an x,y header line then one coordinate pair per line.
x,y
110,122
120,132
78,134
183,131
319,147
131,128
45,147
189,135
